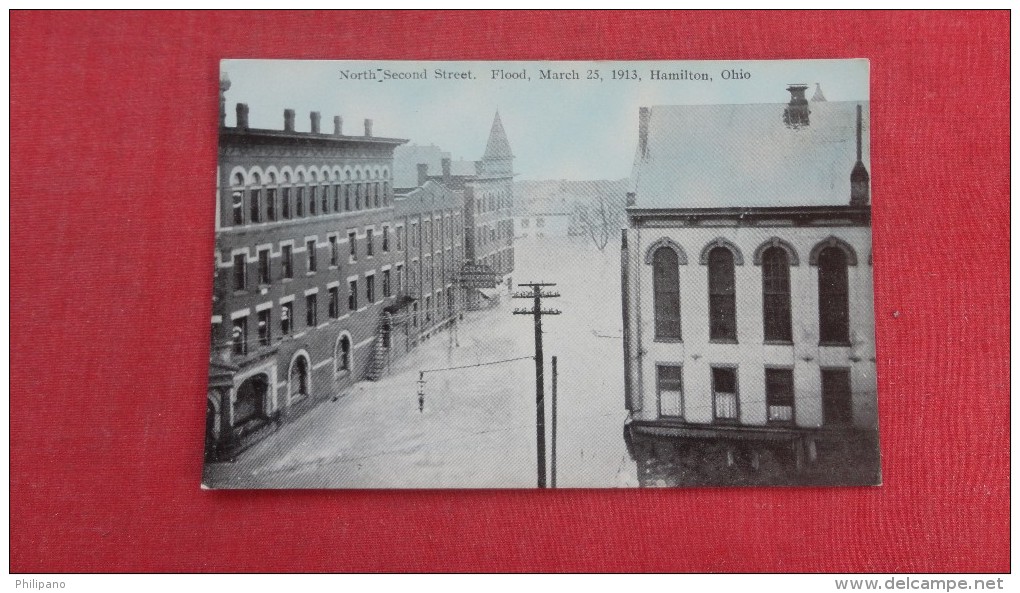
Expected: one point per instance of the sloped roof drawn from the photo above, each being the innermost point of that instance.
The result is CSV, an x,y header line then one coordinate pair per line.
x,y
705,156
498,147
406,159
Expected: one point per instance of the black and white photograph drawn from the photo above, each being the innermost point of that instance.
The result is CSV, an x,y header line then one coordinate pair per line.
x,y
542,275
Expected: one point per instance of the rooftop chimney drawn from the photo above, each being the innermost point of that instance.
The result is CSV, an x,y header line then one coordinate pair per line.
x,y
288,120
446,171
644,116
860,194
316,117
242,116
338,125
368,128
423,174
797,112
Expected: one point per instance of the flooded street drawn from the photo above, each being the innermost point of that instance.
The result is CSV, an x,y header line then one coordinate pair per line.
x,y
477,428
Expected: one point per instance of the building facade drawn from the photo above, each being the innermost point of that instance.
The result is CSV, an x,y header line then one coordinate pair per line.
x,y
747,284
305,256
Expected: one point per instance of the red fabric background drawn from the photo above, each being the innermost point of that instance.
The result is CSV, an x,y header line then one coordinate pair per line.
x,y
113,149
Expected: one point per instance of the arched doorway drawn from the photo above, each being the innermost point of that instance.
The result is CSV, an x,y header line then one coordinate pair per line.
x,y
250,403
297,383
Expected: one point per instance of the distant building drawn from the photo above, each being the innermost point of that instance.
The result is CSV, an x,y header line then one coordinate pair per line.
x,y
543,224
303,270
747,282
486,190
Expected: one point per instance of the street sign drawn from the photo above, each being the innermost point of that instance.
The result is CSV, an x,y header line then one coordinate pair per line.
x,y
477,276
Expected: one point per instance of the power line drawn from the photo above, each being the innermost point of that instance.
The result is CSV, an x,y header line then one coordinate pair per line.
x,y
481,364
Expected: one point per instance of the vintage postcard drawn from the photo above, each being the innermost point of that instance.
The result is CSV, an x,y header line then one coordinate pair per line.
x,y
542,274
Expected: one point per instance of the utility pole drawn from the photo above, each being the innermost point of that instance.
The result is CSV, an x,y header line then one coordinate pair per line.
x,y
553,460
536,295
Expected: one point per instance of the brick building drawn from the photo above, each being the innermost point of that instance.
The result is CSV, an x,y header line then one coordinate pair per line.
x,y
304,266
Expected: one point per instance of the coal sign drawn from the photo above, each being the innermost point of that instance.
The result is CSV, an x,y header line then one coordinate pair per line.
x,y
477,276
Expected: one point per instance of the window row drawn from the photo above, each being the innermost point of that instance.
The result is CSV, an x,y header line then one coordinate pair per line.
x,y
264,273
287,323
430,232
837,407
257,204
491,202
833,294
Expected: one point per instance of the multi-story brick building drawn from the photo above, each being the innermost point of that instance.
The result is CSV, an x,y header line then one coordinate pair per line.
x,y
487,195
305,255
747,287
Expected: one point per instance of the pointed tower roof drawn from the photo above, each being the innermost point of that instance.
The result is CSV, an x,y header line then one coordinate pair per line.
x,y
818,96
498,147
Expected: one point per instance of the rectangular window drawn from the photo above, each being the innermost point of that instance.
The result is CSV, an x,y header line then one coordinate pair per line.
x,y
724,389
310,249
722,298
352,295
285,203
239,272
669,382
312,193
265,330
334,302
286,317
288,261
386,284
369,243
837,397
271,203
779,394
386,239
370,288
240,336
311,310
336,198
352,242
325,199
299,202
264,275
334,252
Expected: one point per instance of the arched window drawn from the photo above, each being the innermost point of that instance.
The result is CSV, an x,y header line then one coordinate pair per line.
x,y
666,287
299,196
775,287
833,297
237,199
722,298
285,206
324,194
313,186
255,200
336,196
271,209
343,354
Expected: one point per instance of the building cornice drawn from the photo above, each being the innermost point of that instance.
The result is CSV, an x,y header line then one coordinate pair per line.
x,y
836,215
264,136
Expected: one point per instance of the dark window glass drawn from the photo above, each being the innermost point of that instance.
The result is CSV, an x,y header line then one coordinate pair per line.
x,y
722,295
334,302
837,399
325,199
779,394
240,336
334,252
369,243
724,388
265,331
352,295
386,284
666,288
312,193
288,261
312,256
311,310
256,205
833,301
271,203
264,274
336,198
343,354
286,317
385,239
237,204
285,199
299,202
240,280
775,280
352,242
370,288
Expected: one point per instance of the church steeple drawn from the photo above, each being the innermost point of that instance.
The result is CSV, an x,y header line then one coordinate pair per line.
x,y
498,158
